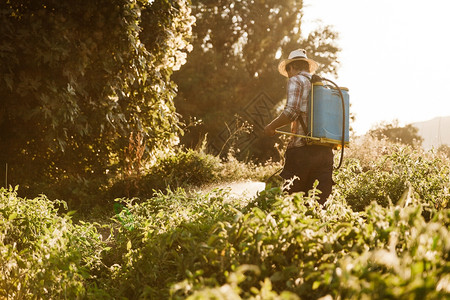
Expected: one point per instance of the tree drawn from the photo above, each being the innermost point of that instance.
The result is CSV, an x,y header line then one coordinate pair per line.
x,y
80,77
407,135
444,149
236,49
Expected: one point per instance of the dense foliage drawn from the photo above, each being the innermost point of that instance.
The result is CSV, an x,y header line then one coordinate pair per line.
x,y
236,49
87,92
43,254
181,244
381,171
82,80
187,169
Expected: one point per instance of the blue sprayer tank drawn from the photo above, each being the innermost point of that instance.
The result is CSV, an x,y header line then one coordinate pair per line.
x,y
325,115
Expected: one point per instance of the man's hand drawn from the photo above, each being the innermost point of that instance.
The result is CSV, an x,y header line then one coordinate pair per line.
x,y
279,121
268,130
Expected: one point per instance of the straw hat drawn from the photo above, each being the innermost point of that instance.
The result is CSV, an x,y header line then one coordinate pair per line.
x,y
299,54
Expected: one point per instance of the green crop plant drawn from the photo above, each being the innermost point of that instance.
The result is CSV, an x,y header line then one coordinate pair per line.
x,y
383,252
42,253
389,174
383,234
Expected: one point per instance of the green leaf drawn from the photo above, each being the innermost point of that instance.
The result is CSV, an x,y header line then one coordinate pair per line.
x,y
12,216
71,213
259,213
316,285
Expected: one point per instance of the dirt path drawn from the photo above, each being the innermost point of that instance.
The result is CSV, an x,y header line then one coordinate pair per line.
x,y
241,189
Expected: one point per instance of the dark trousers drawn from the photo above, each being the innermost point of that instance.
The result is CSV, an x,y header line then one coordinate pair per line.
x,y
309,163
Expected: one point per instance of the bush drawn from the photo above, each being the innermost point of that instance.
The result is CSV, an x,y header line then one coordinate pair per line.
x,y
236,170
382,174
162,240
296,247
173,170
183,244
186,245
80,193
44,255
187,169
203,246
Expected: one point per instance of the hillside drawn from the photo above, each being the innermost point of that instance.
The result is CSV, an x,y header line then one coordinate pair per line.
x,y
434,132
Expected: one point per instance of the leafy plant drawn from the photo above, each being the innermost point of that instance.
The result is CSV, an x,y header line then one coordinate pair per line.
x,y
388,174
166,240
190,168
78,78
43,254
183,244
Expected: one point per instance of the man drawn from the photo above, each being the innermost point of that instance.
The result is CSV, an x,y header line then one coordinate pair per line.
x,y
307,162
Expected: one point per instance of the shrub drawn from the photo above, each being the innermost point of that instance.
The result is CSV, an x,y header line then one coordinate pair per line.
x,y
44,255
237,170
165,241
80,193
383,177
294,247
405,256
367,150
187,169
172,170
182,244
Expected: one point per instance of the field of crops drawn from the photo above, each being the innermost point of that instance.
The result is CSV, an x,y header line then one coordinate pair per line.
x,y
383,234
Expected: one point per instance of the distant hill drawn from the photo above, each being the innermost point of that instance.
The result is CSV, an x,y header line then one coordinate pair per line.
x,y
435,132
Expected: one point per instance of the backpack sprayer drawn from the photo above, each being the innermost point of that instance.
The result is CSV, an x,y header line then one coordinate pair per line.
x,y
328,120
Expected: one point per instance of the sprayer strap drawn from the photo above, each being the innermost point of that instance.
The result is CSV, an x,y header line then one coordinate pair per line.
x,y
302,122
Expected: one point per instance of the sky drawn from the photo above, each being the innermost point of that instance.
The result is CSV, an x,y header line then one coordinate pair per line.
x,y
395,57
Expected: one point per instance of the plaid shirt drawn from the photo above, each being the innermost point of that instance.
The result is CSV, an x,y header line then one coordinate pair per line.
x,y
298,89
